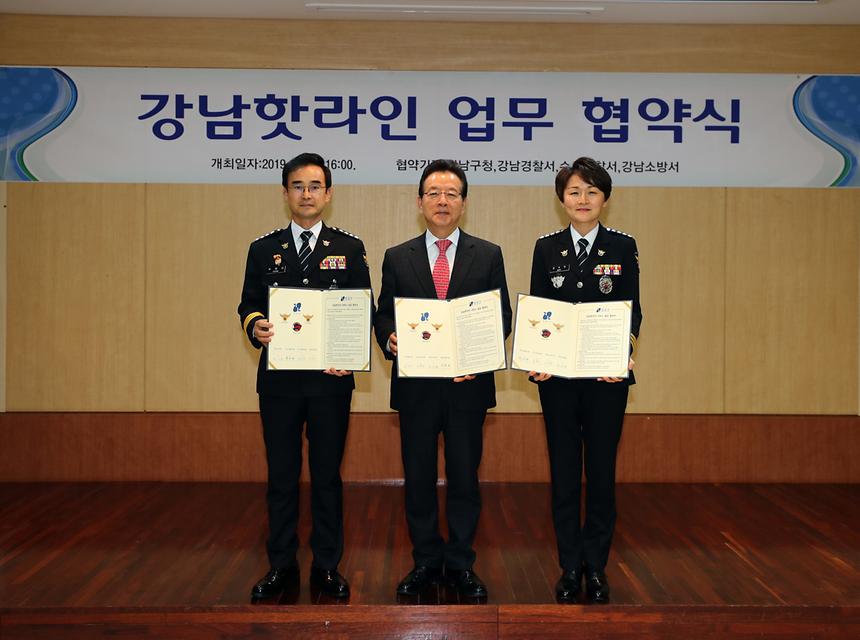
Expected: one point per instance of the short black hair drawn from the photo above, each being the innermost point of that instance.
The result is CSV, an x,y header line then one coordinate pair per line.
x,y
444,165
590,171
306,160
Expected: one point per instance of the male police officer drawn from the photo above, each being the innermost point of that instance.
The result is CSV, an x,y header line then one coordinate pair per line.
x,y
309,254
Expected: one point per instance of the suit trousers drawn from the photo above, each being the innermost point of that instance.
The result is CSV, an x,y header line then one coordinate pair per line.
x,y
462,430
583,418
327,419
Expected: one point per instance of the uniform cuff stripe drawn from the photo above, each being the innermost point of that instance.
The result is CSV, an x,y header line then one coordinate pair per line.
x,y
251,316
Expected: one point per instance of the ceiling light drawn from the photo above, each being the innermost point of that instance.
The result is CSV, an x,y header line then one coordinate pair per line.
x,y
354,7
725,2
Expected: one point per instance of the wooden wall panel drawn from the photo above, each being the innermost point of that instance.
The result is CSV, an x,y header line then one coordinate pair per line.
x,y
229,447
197,236
75,289
172,42
680,234
197,239
792,301
195,246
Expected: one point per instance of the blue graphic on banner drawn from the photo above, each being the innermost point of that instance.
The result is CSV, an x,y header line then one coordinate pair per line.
x,y
829,106
33,102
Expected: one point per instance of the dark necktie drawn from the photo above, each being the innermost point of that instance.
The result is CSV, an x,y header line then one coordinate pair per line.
x,y
305,251
582,256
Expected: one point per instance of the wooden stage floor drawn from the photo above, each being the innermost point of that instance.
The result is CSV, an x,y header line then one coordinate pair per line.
x,y
159,560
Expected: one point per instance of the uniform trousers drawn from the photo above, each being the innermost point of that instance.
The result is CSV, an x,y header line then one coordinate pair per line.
x,y
583,418
462,431
327,419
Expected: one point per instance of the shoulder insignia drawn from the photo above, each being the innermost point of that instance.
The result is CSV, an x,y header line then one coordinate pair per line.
x,y
554,233
271,233
620,233
346,233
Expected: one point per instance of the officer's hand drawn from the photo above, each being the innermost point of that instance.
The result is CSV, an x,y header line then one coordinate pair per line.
x,y
464,378
539,377
629,368
337,372
263,330
392,343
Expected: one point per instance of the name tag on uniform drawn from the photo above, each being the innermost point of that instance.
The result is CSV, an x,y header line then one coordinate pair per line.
x,y
561,268
333,262
607,270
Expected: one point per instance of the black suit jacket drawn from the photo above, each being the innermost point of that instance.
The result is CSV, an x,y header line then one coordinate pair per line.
x,y
406,273
273,261
555,274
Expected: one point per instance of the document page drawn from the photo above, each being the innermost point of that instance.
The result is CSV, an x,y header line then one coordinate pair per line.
x,y
542,336
586,340
319,329
347,329
479,334
449,338
425,338
297,316
603,340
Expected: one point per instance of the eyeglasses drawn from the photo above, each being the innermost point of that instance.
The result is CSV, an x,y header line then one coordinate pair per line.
x,y
435,195
312,189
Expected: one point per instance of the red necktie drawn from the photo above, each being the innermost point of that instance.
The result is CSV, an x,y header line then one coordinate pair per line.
x,y
441,271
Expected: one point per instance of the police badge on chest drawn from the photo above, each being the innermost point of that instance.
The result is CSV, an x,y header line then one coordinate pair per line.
x,y
605,284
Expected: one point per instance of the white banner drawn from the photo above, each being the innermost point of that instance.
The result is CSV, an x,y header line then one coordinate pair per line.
x,y
380,127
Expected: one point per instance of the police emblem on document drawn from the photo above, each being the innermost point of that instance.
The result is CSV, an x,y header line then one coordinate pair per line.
x,y
605,284
557,281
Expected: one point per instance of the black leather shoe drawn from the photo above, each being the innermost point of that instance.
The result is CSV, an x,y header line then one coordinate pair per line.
x,y
417,580
330,582
467,583
271,584
569,585
596,586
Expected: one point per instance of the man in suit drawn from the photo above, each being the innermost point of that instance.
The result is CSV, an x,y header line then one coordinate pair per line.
x,y
306,253
444,262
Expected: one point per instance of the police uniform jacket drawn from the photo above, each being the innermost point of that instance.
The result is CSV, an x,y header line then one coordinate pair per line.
x,y
273,261
611,272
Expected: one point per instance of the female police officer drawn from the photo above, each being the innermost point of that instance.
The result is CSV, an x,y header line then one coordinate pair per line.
x,y
584,262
